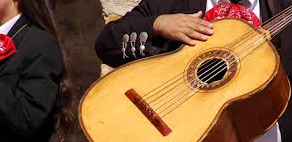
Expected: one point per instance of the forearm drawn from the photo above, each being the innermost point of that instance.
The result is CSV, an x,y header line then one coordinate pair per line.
x,y
109,45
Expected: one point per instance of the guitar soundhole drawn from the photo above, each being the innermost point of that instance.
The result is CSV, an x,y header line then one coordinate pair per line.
x,y
212,70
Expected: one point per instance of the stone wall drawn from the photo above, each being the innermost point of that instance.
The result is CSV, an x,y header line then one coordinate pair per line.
x,y
119,7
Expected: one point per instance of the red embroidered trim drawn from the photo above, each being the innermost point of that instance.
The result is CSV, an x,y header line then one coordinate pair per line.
x,y
231,10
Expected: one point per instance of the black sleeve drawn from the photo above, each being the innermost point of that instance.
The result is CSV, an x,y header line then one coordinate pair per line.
x,y
26,102
140,19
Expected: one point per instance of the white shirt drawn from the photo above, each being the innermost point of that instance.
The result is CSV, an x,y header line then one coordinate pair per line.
x,y
273,135
6,27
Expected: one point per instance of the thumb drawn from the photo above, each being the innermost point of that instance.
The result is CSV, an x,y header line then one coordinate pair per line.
x,y
198,14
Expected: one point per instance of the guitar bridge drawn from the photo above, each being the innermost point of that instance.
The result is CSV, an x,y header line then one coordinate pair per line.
x,y
150,114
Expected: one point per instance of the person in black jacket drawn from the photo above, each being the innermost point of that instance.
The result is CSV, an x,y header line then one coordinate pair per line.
x,y
169,23
31,73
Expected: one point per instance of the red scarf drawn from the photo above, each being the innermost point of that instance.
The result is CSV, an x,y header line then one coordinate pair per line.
x,y
232,10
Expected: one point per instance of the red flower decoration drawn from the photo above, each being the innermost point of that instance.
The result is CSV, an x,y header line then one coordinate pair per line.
x,y
7,47
231,10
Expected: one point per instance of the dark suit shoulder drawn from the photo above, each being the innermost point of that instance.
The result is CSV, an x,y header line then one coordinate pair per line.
x,y
39,38
36,41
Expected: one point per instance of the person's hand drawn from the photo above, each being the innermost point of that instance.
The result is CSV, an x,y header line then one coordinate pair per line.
x,y
183,27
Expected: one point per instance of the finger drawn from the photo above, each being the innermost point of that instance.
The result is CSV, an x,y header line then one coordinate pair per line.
x,y
195,35
198,14
204,23
201,21
200,28
185,39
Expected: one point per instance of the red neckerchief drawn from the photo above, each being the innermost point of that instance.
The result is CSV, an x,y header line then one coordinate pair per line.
x,y
232,10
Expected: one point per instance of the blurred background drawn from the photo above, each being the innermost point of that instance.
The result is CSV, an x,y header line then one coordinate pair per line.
x,y
78,24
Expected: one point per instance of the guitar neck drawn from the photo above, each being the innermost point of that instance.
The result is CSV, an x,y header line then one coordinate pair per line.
x,y
279,22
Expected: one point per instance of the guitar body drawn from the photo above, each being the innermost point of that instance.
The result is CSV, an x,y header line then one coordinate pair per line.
x,y
239,110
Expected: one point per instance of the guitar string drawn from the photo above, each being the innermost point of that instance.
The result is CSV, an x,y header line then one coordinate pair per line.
x,y
283,26
264,38
183,85
181,73
169,85
273,33
277,26
191,93
196,83
266,24
235,42
179,89
182,100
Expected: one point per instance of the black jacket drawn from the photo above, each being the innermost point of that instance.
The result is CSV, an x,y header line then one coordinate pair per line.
x,y
109,44
29,85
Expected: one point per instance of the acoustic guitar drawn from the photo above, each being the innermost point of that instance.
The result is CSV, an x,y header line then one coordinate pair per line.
x,y
227,89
